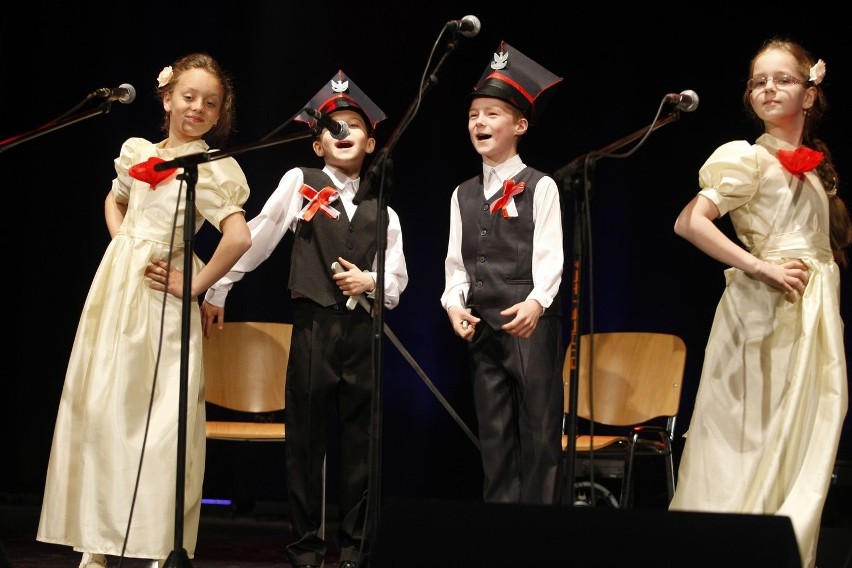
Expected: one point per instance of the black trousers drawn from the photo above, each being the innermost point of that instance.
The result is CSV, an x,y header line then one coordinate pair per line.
x,y
518,395
330,368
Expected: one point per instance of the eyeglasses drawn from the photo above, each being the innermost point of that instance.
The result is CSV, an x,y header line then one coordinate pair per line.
x,y
783,81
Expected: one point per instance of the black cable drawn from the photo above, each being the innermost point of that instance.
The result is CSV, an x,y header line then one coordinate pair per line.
x,y
156,371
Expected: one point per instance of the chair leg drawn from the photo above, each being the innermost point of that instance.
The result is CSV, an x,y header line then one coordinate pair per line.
x,y
670,477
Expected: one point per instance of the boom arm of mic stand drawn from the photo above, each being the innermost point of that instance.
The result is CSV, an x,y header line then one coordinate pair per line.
x,y
571,169
51,126
202,157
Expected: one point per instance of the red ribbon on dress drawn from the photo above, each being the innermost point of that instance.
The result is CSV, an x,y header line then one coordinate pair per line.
x,y
801,160
318,201
510,189
145,171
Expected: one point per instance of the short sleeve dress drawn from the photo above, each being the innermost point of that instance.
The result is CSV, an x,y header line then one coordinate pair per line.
x,y
125,363
773,392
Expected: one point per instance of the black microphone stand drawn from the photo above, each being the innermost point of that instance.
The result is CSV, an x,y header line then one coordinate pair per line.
x,y
382,167
178,557
577,181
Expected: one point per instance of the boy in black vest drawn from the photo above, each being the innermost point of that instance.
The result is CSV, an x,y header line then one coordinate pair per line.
x,y
503,270
330,364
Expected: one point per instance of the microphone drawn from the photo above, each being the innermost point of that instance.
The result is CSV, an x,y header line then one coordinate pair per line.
x,y
468,26
465,323
124,93
337,128
353,301
686,101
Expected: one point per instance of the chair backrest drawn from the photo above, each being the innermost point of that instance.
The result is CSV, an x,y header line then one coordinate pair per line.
x,y
245,365
637,377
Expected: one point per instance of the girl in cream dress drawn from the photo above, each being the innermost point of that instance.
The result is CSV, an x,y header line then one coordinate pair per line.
x,y
773,392
111,477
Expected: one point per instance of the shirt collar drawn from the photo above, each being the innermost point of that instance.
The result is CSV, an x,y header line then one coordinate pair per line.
x,y
505,170
340,179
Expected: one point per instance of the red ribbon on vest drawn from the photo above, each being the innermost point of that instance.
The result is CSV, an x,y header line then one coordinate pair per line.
x,y
510,189
318,201
801,160
145,171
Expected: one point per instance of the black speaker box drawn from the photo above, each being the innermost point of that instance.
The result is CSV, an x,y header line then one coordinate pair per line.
x,y
449,534
4,560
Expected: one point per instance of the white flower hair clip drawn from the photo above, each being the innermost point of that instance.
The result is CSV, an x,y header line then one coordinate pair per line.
x,y
817,72
166,75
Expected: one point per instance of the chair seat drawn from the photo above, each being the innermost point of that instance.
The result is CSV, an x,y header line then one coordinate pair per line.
x,y
584,444
248,431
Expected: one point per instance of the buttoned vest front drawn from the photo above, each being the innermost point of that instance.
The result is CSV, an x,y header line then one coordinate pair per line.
x,y
497,251
318,243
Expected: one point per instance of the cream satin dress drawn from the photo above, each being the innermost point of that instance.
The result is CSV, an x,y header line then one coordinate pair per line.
x,y
773,392
118,359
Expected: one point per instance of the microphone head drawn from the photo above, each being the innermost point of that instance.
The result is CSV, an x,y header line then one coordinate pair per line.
x,y
689,100
342,133
470,26
130,93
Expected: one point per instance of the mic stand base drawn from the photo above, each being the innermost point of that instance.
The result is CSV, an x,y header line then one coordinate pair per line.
x,y
177,559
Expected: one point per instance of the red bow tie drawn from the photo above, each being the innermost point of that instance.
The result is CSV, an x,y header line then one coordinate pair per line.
x,y
801,160
318,201
510,189
144,171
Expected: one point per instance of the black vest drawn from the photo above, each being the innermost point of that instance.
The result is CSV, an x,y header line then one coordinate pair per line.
x,y
318,243
497,251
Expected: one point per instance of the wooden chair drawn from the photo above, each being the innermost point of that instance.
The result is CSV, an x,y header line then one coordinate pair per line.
x,y
636,384
245,370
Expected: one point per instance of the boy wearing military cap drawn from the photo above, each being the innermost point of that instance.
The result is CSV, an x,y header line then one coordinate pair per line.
x,y
502,275
330,365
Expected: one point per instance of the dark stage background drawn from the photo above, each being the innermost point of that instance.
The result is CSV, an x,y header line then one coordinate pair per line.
x,y
617,64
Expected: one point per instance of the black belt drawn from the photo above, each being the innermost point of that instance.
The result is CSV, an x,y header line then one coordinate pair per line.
x,y
339,307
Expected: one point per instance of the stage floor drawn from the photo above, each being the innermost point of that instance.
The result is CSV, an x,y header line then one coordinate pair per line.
x,y
422,533
244,540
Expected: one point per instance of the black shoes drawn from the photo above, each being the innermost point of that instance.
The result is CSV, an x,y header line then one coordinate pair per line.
x,y
344,564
